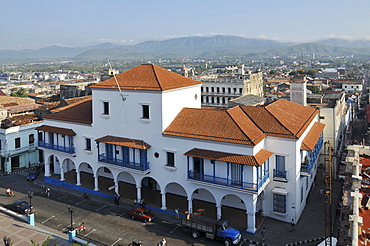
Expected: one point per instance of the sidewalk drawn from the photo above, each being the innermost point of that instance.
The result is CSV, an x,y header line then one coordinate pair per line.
x,y
21,233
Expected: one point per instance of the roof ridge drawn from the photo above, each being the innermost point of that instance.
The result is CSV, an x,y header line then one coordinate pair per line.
x,y
277,120
236,123
156,77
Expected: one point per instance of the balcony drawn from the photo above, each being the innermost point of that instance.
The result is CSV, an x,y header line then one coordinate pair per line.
x,y
280,175
143,167
29,148
65,149
310,160
228,182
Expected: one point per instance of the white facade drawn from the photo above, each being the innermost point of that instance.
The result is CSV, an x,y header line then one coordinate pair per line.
x,y
18,147
140,130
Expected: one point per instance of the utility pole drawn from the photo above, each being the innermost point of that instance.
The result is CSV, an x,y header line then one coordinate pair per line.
x,y
328,180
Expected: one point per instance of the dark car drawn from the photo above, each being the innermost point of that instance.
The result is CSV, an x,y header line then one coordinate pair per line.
x,y
33,175
21,207
141,214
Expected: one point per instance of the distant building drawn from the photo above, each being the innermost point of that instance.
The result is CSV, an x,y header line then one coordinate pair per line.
x,y
218,90
72,90
108,73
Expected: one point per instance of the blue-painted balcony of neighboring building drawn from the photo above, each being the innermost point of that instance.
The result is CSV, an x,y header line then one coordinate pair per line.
x,y
280,174
255,186
66,149
144,167
311,158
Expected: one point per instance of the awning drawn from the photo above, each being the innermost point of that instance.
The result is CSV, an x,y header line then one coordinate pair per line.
x,y
57,130
256,160
280,191
312,137
127,142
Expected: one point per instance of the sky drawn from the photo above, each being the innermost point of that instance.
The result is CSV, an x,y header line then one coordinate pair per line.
x,y
33,24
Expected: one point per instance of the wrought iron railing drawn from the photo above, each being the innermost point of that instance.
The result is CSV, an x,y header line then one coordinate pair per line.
x,y
122,163
254,186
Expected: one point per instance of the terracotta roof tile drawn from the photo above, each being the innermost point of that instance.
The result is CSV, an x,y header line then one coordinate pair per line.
x,y
208,124
58,130
256,160
127,142
71,102
243,124
311,138
147,77
282,118
80,112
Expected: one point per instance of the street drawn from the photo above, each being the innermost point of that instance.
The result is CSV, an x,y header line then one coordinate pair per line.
x,y
106,222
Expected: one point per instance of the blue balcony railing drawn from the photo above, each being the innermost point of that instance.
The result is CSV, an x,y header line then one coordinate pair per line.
x,y
280,174
70,150
228,182
120,162
307,165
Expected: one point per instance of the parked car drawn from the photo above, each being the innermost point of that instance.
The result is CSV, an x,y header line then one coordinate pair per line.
x,y
141,214
32,175
21,207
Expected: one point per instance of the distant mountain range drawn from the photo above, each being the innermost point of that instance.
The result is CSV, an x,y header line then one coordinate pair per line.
x,y
193,47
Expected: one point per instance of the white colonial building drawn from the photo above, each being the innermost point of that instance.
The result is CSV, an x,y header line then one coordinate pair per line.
x,y
145,135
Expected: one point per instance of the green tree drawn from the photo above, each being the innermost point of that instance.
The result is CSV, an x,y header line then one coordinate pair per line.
x,y
19,93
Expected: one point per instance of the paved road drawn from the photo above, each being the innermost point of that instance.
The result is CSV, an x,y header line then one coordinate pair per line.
x,y
106,222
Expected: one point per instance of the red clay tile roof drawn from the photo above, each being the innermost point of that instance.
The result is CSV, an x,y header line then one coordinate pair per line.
x,y
71,102
58,130
79,112
256,160
243,124
127,142
282,118
147,77
311,138
214,125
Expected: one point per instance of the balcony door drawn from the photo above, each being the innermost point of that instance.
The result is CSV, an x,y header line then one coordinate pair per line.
x,y
109,149
236,174
198,168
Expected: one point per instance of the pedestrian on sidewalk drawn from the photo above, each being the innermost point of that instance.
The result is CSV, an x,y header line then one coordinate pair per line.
x,y
263,232
177,213
116,198
135,202
321,191
293,225
47,192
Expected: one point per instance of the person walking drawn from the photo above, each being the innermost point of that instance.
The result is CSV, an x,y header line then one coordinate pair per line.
x,y
177,213
116,198
321,191
293,225
47,192
263,232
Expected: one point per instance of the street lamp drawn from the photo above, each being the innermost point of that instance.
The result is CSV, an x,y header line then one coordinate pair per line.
x,y
30,195
71,210
7,241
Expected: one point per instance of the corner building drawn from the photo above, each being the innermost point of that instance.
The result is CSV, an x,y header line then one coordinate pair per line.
x,y
145,135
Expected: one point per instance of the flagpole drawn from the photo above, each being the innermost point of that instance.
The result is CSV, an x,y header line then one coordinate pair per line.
x,y
114,75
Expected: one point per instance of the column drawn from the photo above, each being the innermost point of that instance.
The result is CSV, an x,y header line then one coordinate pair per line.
x,y
62,173
116,190
78,176
96,182
190,205
47,169
219,211
138,193
251,221
164,205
